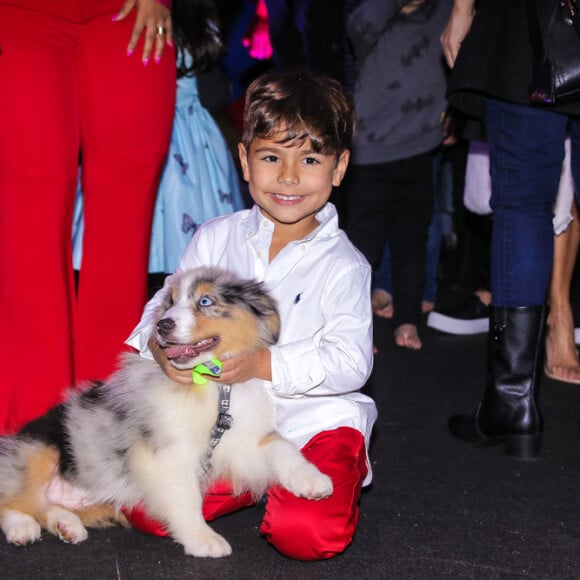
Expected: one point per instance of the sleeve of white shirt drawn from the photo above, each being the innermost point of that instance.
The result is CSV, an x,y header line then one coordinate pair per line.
x,y
338,358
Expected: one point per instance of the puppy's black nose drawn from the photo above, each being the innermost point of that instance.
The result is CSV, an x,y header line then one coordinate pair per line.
x,y
165,326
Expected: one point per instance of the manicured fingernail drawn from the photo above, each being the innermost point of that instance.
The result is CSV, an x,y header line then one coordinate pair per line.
x,y
129,51
115,18
145,61
158,59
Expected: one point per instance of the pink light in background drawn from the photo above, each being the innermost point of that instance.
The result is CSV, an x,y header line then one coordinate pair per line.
x,y
257,37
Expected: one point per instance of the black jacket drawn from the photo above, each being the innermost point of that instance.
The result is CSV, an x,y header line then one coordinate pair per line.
x,y
496,59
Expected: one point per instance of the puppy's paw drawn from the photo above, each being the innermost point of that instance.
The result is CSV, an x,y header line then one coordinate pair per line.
x,y
20,529
66,525
207,544
309,483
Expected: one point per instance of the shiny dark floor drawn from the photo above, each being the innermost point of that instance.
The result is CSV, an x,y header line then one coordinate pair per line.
x,y
436,509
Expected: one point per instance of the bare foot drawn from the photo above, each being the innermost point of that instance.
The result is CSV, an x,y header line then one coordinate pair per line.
x,y
407,336
484,296
382,303
561,354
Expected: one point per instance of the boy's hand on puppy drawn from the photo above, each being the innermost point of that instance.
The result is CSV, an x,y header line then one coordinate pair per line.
x,y
179,376
256,365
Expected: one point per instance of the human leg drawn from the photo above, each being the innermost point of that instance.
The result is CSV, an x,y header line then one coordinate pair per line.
x,y
443,195
382,277
523,195
126,118
561,354
409,185
366,208
313,530
364,190
381,299
526,154
393,201
39,142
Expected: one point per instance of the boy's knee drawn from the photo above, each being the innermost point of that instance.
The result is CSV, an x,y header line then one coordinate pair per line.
x,y
307,538
318,530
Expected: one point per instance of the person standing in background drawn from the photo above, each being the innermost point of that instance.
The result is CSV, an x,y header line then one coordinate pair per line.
x,y
400,101
89,79
491,54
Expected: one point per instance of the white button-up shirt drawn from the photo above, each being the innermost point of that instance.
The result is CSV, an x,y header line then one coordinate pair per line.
x,y
322,287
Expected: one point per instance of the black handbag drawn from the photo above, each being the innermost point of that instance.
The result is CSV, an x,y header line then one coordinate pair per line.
x,y
555,36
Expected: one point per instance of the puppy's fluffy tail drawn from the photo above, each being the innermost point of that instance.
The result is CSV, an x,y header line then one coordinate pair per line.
x,y
17,454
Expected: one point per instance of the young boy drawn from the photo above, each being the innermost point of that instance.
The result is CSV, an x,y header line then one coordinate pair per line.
x,y
295,147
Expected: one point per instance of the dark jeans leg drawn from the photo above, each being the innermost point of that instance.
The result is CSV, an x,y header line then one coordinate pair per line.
x,y
526,146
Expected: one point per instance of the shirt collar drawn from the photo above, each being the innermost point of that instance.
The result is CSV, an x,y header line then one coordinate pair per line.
x,y
327,218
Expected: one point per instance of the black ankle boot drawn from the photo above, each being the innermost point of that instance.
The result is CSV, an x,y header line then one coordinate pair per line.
x,y
509,413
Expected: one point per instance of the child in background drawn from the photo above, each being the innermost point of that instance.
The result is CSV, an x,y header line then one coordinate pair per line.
x,y
295,148
199,179
400,100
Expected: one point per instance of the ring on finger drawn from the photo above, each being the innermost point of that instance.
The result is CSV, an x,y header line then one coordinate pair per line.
x,y
161,30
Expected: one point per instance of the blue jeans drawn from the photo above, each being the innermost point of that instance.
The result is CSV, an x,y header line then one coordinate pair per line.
x,y
526,146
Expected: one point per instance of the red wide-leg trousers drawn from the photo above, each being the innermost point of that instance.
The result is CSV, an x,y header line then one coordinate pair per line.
x,y
299,528
68,88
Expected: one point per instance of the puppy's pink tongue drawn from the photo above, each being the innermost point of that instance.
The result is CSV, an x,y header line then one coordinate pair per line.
x,y
177,350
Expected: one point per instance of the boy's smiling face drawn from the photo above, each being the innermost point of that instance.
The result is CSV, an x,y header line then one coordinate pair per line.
x,y
291,183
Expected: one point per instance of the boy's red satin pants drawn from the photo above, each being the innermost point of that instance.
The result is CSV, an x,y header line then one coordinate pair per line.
x,y
299,528
69,89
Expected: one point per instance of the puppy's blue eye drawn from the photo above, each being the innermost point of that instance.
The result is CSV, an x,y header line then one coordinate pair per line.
x,y
205,301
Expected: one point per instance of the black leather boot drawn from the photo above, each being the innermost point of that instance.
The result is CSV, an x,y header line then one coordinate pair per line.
x,y
509,413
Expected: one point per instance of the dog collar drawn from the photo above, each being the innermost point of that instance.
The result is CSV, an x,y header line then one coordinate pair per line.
x,y
223,423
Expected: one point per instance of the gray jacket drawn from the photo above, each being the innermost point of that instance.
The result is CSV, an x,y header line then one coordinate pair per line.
x,y
401,79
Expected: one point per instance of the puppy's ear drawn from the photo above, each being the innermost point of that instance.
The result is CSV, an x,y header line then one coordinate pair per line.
x,y
255,297
270,323
165,293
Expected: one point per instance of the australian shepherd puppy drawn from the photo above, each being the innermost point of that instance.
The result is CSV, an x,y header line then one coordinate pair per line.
x,y
141,438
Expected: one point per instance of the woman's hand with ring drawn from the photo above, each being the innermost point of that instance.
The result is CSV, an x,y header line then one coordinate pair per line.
x,y
153,20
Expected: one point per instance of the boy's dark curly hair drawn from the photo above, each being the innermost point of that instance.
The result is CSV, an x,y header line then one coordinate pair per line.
x,y
291,107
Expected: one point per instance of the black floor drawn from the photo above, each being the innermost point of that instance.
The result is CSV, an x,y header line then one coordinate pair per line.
x,y
436,509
